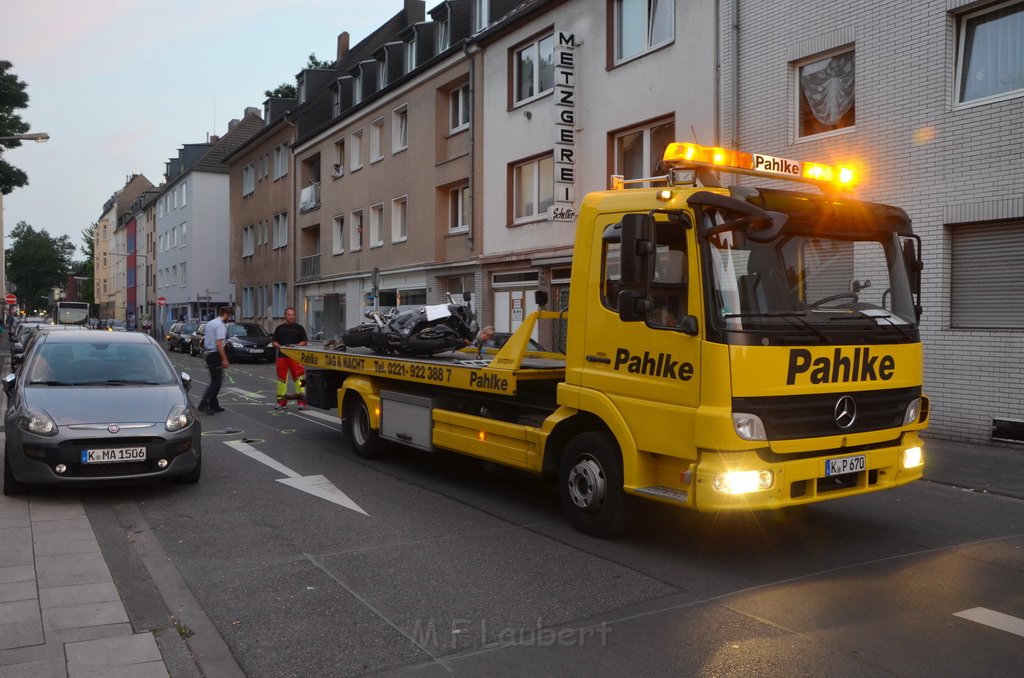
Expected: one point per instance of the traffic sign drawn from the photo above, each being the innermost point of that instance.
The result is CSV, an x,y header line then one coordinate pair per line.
x,y
160,301
11,299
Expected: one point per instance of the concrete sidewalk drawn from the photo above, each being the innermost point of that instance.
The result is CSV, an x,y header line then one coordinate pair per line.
x,y
60,613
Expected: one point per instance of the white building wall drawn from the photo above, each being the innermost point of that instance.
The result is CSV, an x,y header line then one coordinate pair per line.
x,y
944,164
208,239
678,79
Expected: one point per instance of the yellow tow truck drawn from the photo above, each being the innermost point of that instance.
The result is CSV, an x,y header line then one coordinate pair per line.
x,y
728,348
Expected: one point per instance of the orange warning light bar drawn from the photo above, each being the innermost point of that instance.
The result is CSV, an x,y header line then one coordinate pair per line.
x,y
729,160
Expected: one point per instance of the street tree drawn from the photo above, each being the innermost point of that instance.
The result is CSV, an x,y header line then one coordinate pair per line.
x,y
288,91
12,98
37,262
87,269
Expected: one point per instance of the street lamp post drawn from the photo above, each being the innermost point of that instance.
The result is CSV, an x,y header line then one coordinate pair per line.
x,y
38,137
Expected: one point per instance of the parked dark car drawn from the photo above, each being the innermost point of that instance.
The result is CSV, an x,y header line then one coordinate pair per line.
x,y
91,407
180,336
246,342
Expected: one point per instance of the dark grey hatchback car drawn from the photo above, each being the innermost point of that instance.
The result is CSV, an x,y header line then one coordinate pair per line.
x,y
87,407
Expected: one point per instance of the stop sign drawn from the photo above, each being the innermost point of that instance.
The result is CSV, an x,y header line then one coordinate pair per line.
x,y
161,301
11,299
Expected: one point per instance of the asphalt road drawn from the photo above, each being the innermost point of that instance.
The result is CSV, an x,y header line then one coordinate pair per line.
x,y
431,565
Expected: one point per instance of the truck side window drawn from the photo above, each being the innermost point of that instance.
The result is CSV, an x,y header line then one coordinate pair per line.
x,y
667,288
611,275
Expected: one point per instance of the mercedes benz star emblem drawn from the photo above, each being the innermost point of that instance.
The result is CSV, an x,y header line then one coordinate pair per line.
x,y
845,412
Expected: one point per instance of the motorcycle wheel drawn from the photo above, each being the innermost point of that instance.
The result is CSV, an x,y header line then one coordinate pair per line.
x,y
432,340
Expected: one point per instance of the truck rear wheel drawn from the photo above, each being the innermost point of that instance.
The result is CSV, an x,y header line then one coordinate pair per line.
x,y
365,441
590,484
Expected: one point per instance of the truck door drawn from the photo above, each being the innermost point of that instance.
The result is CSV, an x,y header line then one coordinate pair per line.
x,y
648,367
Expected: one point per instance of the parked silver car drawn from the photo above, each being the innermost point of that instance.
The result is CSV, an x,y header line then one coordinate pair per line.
x,y
90,406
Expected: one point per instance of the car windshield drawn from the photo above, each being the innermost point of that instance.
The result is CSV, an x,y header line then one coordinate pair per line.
x,y
187,328
99,362
239,330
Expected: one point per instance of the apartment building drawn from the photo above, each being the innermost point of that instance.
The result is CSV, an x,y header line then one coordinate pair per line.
x,y
383,185
260,248
111,266
569,95
928,98
191,230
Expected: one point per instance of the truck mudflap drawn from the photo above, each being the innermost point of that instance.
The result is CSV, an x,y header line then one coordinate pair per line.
x,y
742,480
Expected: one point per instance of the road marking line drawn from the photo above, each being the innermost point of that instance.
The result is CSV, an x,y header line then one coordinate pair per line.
x,y
317,485
319,415
996,620
245,394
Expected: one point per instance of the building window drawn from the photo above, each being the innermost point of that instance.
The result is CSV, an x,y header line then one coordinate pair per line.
x,y
983,294
534,69
400,219
184,234
533,187
338,235
262,173
339,158
280,299
184,274
825,89
377,225
356,230
990,53
248,179
248,303
459,109
459,209
481,14
280,230
410,54
641,26
336,101
248,241
184,194
443,32
382,71
357,86
400,129
356,150
376,143
638,151
280,161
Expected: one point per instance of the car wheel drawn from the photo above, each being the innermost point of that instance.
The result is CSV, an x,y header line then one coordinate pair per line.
x,y
11,486
590,484
192,477
365,441
170,346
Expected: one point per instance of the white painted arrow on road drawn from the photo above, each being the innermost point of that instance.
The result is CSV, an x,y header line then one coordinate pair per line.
x,y
317,485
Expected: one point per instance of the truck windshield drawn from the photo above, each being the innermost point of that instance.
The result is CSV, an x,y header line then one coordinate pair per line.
x,y
809,285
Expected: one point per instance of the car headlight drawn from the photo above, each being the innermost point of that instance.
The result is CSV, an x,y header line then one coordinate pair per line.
x,y
180,417
749,426
39,423
235,343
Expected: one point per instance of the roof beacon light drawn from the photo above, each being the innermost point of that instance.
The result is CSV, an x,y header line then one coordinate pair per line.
x,y
729,160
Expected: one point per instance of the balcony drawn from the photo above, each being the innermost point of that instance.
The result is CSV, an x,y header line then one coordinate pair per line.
x,y
309,267
309,199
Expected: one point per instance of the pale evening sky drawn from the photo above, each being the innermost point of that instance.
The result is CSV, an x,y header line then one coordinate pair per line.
x,y
120,85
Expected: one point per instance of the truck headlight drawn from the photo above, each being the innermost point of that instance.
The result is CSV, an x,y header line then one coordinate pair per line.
x,y
912,457
748,426
743,482
913,412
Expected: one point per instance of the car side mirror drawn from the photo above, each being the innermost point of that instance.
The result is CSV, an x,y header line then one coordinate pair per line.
x,y
186,381
9,381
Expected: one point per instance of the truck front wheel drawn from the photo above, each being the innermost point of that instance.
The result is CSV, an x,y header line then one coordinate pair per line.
x,y
365,441
590,484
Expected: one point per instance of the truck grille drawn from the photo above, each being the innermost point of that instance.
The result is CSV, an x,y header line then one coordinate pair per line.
x,y
811,416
